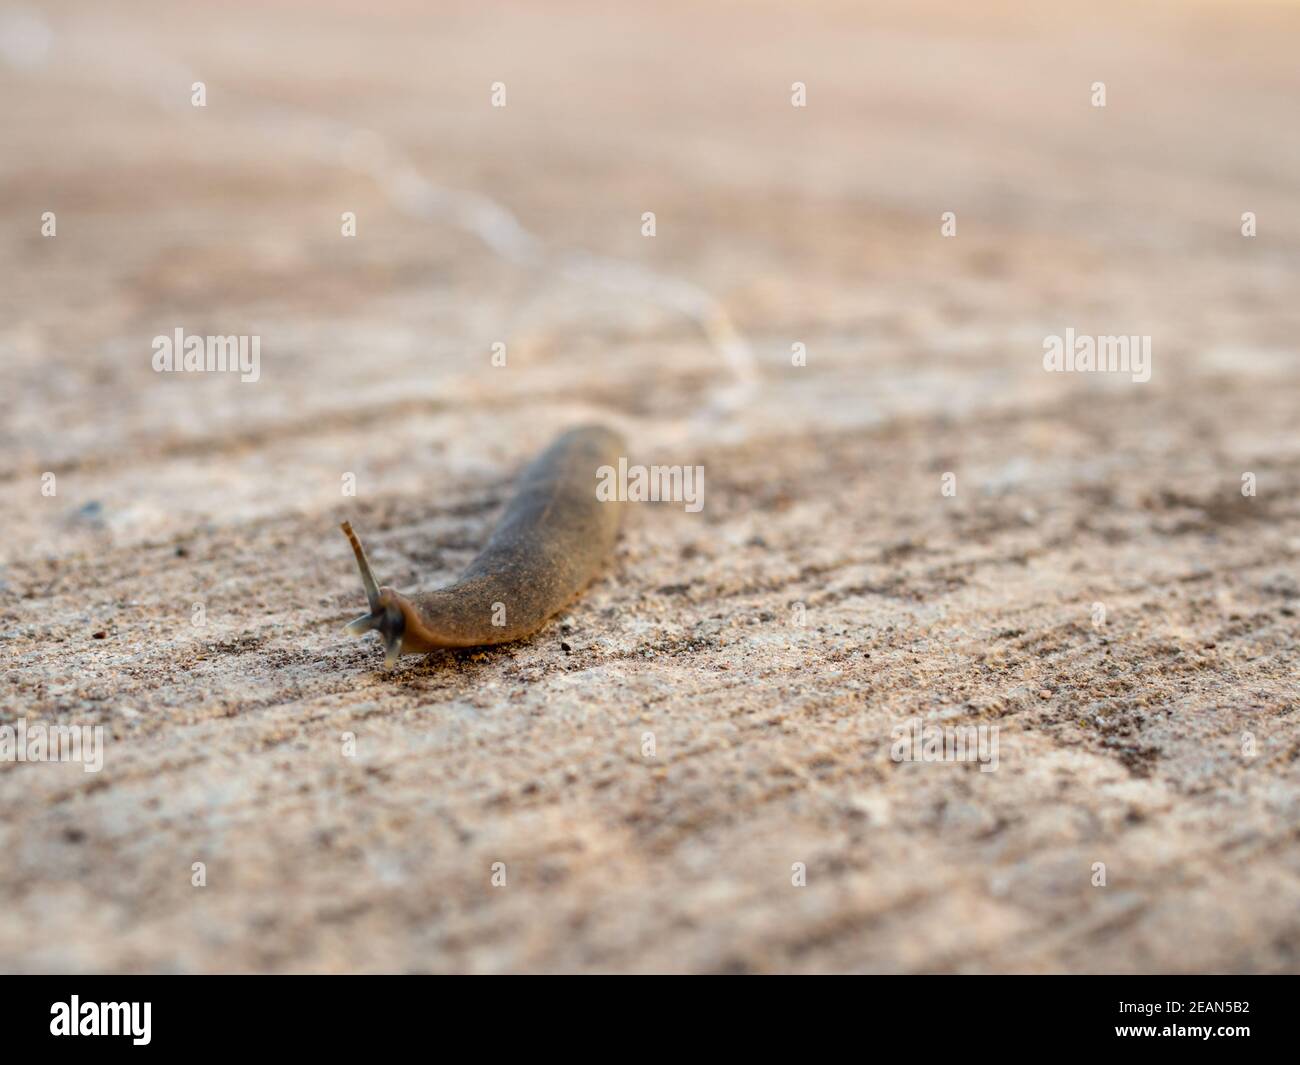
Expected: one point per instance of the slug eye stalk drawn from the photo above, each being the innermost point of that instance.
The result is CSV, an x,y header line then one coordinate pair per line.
x,y
384,617
363,564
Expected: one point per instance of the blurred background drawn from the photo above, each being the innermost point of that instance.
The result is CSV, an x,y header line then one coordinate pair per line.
x,y
818,225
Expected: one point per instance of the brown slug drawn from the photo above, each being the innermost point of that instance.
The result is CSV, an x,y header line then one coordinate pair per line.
x,y
553,539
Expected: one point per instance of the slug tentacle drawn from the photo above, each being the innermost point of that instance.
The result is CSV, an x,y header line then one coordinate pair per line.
x,y
363,564
384,614
553,538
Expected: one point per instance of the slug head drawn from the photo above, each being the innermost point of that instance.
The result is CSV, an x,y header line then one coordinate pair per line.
x,y
386,616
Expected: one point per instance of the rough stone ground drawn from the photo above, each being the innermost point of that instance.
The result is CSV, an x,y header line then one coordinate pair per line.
x,y
1120,743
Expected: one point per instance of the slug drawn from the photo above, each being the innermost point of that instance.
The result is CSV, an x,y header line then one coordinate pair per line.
x,y
553,538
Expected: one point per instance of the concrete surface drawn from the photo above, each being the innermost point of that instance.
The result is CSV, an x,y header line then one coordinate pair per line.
x,y
828,592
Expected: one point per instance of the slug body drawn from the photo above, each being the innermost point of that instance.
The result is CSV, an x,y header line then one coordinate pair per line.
x,y
553,539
